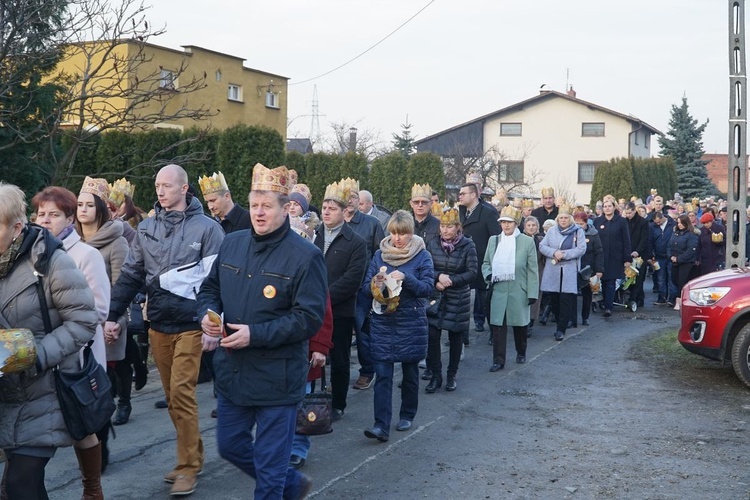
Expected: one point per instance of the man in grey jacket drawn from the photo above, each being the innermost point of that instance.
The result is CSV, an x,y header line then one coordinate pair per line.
x,y
171,254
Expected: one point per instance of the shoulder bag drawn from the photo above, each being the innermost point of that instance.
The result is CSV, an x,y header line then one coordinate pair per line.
x,y
85,396
315,411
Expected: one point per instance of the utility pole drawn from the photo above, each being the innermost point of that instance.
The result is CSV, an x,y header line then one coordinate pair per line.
x,y
737,154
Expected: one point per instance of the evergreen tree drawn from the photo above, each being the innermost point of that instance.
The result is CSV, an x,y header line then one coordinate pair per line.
x,y
404,143
684,144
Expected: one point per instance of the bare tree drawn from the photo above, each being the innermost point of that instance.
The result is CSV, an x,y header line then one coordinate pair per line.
x,y
496,167
116,83
368,142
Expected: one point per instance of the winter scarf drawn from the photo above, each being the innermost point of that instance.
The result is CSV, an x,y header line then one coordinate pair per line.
x,y
400,256
504,260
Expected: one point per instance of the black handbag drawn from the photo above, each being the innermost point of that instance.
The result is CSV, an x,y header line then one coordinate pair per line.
x,y
584,275
433,305
315,411
85,398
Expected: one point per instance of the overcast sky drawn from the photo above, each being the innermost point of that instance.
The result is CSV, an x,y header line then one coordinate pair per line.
x,y
458,60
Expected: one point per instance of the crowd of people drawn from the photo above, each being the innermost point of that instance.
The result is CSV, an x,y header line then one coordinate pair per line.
x,y
267,298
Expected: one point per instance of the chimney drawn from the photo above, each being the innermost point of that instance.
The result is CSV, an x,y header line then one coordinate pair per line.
x,y
571,92
353,139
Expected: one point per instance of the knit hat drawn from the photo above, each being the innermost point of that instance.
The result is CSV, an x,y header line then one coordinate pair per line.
x,y
301,200
707,217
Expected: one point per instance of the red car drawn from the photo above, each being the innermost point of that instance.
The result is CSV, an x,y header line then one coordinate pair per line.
x,y
715,313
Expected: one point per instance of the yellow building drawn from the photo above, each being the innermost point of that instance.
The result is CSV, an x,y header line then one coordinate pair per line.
x,y
131,83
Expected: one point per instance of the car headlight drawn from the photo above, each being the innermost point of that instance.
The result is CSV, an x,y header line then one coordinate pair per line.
x,y
708,296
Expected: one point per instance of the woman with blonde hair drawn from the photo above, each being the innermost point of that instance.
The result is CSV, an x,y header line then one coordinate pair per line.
x,y
33,264
399,281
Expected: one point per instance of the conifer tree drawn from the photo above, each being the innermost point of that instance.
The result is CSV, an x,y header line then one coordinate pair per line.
x,y
684,144
404,143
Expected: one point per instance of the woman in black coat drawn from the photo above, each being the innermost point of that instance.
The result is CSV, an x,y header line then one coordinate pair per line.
x,y
683,252
454,257
593,257
615,237
640,245
712,244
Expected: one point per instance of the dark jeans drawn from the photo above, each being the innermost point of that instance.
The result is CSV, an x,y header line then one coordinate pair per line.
x,y
479,314
567,303
608,293
383,393
500,339
663,280
434,361
366,368
265,458
340,359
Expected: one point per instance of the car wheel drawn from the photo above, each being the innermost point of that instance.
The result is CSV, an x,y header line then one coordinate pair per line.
x,y
741,355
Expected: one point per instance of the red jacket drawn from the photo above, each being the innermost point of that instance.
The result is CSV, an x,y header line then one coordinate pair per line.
x,y
321,341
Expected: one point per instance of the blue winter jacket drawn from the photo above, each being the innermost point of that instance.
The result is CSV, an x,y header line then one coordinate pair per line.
x,y
402,335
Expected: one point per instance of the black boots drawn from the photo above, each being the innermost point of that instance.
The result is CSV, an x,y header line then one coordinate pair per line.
x,y
450,385
123,415
545,315
435,382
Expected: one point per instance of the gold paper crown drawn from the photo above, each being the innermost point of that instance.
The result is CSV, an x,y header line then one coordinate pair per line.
x,y
474,178
303,190
499,199
421,191
436,209
338,192
265,179
547,192
98,187
119,189
448,214
352,185
292,178
213,184
527,204
565,209
511,212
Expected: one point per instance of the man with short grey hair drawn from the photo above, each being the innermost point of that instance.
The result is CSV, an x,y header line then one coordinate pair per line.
x,y
367,207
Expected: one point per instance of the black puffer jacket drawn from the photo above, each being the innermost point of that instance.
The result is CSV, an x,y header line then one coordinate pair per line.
x,y
594,255
455,304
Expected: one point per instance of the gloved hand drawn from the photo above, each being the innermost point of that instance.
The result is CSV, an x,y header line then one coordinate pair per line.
x,y
532,301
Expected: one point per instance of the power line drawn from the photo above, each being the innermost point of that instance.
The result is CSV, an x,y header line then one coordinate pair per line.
x,y
368,49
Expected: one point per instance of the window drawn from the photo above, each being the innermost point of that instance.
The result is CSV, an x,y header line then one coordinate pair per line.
x,y
646,139
218,75
636,137
234,92
510,129
272,100
592,129
586,171
167,80
510,171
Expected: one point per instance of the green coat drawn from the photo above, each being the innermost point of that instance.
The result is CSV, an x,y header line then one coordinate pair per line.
x,y
512,297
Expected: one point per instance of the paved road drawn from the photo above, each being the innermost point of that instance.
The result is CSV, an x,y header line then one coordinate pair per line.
x,y
582,419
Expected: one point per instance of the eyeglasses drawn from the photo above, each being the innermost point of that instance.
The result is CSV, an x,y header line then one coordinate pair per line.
x,y
421,202
463,193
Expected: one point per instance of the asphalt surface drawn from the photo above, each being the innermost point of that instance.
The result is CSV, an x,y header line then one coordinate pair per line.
x,y
593,416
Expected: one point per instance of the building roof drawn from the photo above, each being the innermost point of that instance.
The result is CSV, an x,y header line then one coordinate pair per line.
x,y
717,167
543,95
303,146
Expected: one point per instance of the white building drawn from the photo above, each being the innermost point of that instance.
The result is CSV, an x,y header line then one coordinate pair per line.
x,y
553,139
